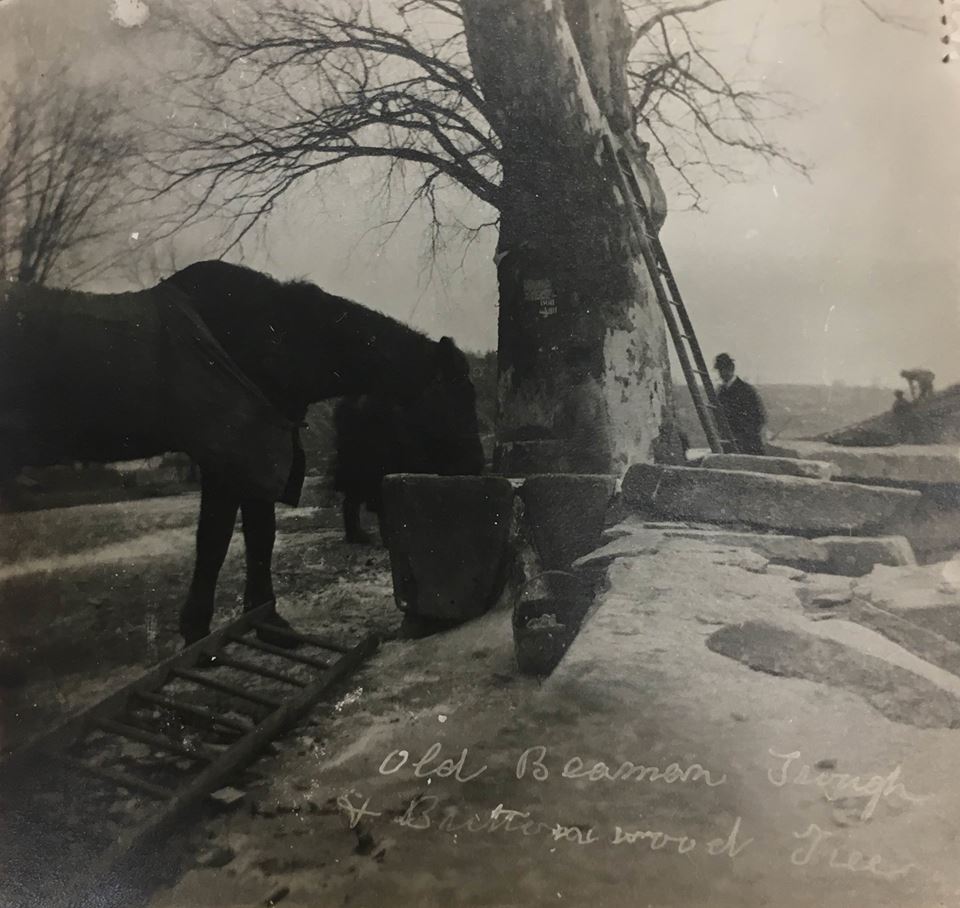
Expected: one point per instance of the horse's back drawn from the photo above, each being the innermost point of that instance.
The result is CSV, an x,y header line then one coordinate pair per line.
x,y
88,377
72,367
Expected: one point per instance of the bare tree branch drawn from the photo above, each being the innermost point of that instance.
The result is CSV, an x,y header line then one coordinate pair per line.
x,y
652,22
291,89
701,120
888,18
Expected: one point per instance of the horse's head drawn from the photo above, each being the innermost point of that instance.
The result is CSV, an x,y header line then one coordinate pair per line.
x,y
440,417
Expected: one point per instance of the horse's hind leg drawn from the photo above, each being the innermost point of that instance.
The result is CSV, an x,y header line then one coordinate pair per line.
x,y
259,533
352,530
218,514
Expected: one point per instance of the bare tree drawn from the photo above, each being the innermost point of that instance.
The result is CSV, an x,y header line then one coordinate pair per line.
x,y
291,90
64,156
510,101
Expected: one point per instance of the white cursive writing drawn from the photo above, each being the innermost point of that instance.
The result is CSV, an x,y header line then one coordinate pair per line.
x,y
355,813
534,761
837,858
397,759
839,784
657,839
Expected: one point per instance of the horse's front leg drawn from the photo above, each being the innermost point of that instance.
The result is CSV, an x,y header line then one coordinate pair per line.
x,y
218,514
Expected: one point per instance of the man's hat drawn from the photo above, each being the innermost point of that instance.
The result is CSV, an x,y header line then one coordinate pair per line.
x,y
724,359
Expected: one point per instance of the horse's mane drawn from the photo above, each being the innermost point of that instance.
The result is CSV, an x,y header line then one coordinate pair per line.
x,y
303,295
400,349
310,319
304,292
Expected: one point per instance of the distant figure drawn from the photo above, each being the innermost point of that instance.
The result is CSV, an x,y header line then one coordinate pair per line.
x,y
920,382
742,407
904,419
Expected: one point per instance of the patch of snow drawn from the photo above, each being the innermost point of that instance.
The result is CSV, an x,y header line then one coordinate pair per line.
x,y
129,14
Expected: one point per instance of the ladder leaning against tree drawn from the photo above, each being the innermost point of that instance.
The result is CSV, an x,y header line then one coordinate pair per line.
x,y
695,371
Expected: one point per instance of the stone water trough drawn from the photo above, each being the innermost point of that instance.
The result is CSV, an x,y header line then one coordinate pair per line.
x,y
449,542
461,545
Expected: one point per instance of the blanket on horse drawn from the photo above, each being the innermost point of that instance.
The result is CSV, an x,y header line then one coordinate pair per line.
x,y
88,377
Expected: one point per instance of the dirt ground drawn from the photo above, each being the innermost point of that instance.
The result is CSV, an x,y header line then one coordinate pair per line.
x,y
697,655
790,757
89,595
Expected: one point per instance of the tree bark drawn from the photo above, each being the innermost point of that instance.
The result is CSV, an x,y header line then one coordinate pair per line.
x,y
584,383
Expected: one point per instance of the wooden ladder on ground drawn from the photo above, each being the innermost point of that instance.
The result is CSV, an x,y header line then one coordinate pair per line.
x,y
198,717
695,371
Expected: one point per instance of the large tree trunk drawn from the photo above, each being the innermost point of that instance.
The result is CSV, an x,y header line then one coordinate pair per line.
x,y
575,296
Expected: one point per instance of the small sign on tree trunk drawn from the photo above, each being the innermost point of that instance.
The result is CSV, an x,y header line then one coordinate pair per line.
x,y
540,292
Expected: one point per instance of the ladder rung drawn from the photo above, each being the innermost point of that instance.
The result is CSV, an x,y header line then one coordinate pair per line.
x,y
292,655
288,634
262,670
204,681
122,779
146,737
189,709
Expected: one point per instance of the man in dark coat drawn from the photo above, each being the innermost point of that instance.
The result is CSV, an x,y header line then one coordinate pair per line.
x,y
742,407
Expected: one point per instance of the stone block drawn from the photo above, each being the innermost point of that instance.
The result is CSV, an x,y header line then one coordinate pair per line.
x,y
449,542
794,551
830,600
633,522
926,642
633,545
808,507
784,570
934,528
847,556
907,464
780,466
852,556
565,513
912,588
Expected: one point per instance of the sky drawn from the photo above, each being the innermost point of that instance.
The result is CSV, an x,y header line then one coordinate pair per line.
x,y
849,276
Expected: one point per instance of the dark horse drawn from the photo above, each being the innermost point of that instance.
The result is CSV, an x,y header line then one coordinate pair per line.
x,y
291,343
376,436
